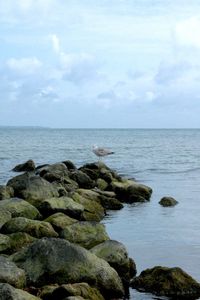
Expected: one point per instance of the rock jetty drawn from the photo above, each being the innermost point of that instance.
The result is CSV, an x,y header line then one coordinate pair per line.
x,y
52,242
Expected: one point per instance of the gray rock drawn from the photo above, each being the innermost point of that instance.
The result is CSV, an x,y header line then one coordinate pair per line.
x,y
5,244
168,201
28,166
50,260
6,192
10,273
83,180
5,216
69,164
86,234
7,292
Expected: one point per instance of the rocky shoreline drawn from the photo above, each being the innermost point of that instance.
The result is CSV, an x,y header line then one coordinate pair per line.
x,y
53,246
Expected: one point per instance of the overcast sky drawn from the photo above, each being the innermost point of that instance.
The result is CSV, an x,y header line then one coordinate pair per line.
x,y
100,63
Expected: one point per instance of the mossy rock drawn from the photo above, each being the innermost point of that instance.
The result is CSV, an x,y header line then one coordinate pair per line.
x,y
20,208
8,292
10,273
168,201
83,180
46,291
28,166
5,244
5,216
171,282
35,228
59,221
101,184
85,234
67,263
6,192
93,211
19,240
77,289
63,204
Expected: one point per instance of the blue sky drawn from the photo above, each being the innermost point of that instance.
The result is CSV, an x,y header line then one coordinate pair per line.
x,y
100,63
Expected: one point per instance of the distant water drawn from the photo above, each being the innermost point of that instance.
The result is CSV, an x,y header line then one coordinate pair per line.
x,y
166,160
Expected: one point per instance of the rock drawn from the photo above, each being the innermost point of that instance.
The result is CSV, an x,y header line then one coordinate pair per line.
x,y
33,188
93,211
168,201
83,180
19,240
62,204
51,260
171,282
77,289
10,273
101,184
5,244
129,191
59,221
96,166
69,164
46,291
35,228
93,174
7,292
28,166
116,255
6,192
86,234
5,216
20,208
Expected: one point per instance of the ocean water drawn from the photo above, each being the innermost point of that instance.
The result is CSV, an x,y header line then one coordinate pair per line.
x,y
166,160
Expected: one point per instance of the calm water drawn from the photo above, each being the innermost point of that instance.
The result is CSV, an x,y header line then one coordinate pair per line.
x,y
166,160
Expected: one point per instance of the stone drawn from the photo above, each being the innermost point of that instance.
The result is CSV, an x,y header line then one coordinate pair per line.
x,y
5,216
63,204
18,241
83,180
85,234
69,164
101,184
6,192
93,211
5,244
20,208
32,188
82,289
59,221
10,273
35,228
50,260
171,282
168,201
28,166
7,292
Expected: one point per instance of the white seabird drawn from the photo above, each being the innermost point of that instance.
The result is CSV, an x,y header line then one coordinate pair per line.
x,y
100,152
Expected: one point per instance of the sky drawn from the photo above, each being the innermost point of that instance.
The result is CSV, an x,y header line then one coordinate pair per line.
x,y
100,63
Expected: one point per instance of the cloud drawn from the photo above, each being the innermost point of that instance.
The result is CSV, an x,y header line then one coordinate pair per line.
x,y
56,43
24,66
187,32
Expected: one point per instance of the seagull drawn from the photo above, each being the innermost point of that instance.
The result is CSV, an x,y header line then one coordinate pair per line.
x,y
100,152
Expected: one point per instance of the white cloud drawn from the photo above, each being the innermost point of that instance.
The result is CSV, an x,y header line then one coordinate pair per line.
x,y
56,43
187,32
24,66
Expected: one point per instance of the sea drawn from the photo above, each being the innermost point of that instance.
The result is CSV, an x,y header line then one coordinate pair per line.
x,y
167,160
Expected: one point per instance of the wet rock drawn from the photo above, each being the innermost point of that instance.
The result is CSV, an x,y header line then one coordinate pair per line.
x,y
20,208
77,289
85,234
63,204
28,166
83,180
93,211
35,228
50,260
32,188
6,192
168,201
69,164
116,255
171,282
7,292
10,273
59,221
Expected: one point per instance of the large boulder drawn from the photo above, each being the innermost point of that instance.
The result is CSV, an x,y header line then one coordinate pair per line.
x,y
82,289
18,241
130,191
10,273
5,244
8,292
59,221
168,201
32,188
116,255
86,234
69,164
28,166
93,211
63,204
171,282
6,192
35,228
83,180
20,208
67,263
5,216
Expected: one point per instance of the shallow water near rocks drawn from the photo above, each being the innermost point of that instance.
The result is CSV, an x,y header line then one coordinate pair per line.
x,y
166,160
